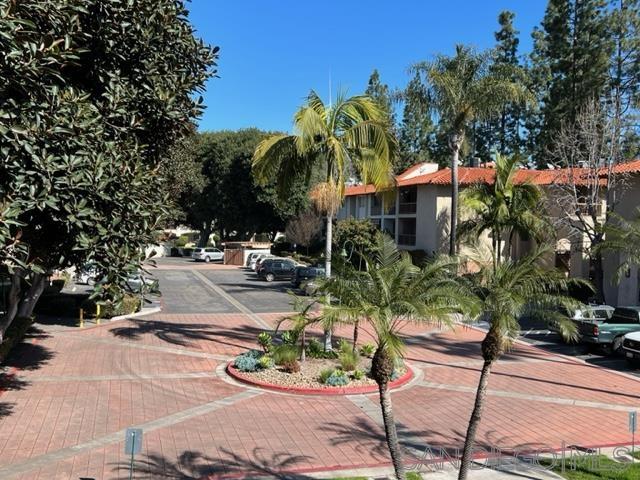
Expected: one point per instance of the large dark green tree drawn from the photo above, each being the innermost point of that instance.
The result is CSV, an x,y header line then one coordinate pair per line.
x,y
570,59
93,98
231,202
503,132
417,129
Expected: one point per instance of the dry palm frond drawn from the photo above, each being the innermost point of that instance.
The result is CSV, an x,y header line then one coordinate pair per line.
x,y
326,198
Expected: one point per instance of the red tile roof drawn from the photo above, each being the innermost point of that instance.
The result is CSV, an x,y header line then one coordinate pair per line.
x,y
471,175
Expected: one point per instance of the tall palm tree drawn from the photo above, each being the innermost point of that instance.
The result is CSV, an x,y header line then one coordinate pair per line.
x,y
506,291
503,208
388,294
353,134
463,89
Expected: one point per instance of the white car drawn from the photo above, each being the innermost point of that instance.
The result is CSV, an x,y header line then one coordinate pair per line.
x,y
207,254
254,262
631,349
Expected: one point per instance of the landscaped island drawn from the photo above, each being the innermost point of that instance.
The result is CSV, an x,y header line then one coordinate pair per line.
x,y
285,367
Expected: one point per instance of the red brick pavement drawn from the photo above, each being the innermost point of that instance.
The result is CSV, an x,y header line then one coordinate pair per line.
x,y
78,386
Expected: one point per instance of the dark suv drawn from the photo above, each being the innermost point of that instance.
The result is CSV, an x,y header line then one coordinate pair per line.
x,y
277,269
302,274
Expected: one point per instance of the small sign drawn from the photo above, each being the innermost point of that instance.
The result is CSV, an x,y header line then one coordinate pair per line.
x,y
633,422
133,441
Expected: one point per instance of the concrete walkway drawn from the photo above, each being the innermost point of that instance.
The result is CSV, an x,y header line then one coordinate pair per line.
x,y
68,396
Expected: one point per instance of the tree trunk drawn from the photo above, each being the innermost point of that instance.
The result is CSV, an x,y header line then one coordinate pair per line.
x,y
13,301
31,298
390,430
355,335
455,147
328,347
598,277
204,235
474,421
303,354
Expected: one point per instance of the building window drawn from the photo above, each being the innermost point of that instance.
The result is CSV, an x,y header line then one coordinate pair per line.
x,y
389,227
377,223
408,199
407,231
352,207
376,205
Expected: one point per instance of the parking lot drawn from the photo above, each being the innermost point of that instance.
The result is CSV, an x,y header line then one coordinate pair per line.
x,y
260,296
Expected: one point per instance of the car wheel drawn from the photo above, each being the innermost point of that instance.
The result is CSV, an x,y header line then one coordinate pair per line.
x,y
207,259
616,346
269,277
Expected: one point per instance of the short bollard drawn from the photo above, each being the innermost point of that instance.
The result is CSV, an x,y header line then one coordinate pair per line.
x,y
81,318
98,314
132,445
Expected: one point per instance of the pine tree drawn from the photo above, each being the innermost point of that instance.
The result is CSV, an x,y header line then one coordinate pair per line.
x,y
503,134
380,93
416,132
624,78
571,54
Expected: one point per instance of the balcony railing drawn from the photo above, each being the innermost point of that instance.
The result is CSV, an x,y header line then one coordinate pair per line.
x,y
407,208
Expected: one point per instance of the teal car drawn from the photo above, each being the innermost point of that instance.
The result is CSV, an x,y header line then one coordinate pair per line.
x,y
609,334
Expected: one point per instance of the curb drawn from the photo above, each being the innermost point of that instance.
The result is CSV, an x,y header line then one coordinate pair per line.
x,y
141,313
398,382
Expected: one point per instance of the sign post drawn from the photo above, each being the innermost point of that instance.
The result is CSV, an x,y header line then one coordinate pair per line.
x,y
132,445
633,425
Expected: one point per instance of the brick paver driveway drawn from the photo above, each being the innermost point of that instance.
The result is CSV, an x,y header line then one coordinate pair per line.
x,y
69,394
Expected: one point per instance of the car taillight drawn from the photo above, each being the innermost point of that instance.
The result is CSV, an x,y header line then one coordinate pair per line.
x,y
596,330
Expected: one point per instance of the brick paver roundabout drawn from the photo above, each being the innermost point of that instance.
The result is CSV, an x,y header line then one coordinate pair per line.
x,y
69,394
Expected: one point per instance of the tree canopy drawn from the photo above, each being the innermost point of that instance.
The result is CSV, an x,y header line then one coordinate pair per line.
x,y
93,100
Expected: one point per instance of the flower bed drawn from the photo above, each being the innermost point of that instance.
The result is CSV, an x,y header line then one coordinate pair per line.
x,y
324,376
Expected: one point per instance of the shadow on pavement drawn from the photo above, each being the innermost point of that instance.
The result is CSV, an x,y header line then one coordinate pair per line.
x,y
185,334
192,465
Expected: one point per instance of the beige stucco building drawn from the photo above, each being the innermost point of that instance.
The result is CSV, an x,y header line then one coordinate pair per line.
x,y
419,213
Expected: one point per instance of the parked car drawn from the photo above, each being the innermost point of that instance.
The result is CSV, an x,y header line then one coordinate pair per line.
x,y
591,314
277,269
135,283
608,335
303,274
251,258
207,254
631,348
255,264
85,275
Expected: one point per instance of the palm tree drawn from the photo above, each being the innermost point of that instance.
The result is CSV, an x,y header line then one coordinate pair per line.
x,y
506,291
503,208
463,89
351,135
390,292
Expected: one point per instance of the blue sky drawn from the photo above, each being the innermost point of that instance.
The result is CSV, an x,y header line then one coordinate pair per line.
x,y
272,52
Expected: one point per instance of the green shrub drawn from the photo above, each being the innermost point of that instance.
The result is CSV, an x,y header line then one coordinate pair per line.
x,y
337,379
344,345
129,304
357,374
291,366
290,337
246,363
182,241
316,350
265,340
367,349
285,353
325,374
265,362
348,359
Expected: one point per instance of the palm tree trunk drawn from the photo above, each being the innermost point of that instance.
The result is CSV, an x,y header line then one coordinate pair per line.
x,y
355,335
390,430
474,421
327,269
455,147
